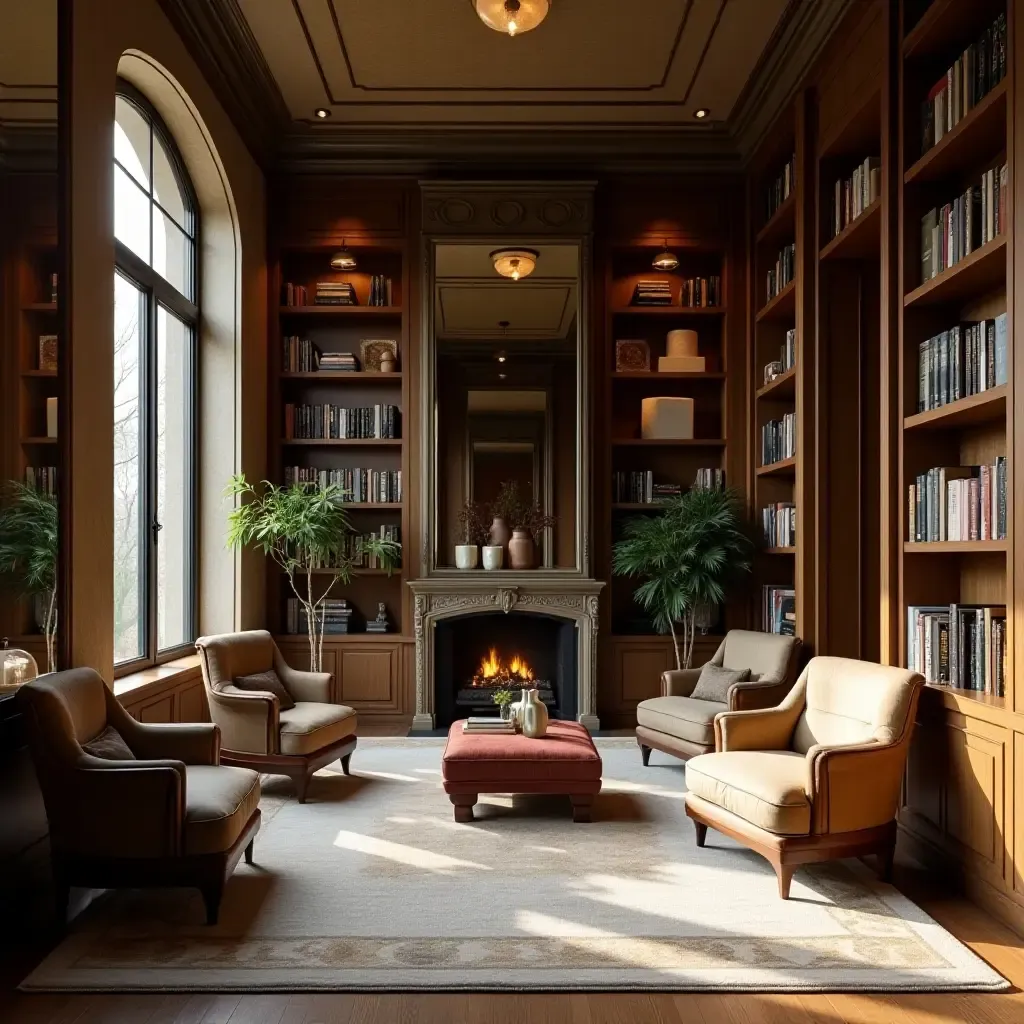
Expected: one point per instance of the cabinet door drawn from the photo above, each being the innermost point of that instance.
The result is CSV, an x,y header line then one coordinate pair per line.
x,y
368,677
192,705
924,787
159,711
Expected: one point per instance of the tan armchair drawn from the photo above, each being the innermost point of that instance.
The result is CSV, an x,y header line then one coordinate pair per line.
x,y
683,727
818,777
255,732
171,817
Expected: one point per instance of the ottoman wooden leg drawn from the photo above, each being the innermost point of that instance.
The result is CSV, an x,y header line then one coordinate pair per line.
x,y
463,803
581,805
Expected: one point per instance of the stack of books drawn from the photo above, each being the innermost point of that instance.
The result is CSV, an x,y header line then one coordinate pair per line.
x,y
778,439
42,479
499,726
959,645
328,422
782,273
958,503
853,195
339,362
709,479
953,231
337,616
780,188
975,73
360,485
380,290
294,294
778,610
963,361
334,293
702,291
778,523
652,293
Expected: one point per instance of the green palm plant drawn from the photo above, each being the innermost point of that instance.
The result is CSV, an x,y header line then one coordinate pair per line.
x,y
28,551
686,555
303,528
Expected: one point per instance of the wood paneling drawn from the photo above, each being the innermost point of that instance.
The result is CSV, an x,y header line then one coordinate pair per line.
x,y
161,710
368,676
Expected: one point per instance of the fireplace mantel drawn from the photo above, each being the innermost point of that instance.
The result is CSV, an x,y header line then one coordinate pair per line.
x,y
562,595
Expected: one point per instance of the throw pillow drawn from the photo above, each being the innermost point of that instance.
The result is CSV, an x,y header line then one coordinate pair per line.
x,y
109,745
269,682
714,682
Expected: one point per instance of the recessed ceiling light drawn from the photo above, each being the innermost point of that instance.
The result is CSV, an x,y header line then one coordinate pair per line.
x,y
322,113
502,376
501,357
514,263
701,112
512,16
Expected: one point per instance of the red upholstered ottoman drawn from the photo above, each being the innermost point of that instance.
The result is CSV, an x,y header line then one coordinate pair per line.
x,y
564,760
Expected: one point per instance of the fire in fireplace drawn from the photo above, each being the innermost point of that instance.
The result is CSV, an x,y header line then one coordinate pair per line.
x,y
497,672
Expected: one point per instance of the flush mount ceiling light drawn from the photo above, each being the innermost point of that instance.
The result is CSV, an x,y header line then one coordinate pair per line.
x,y
343,259
701,112
665,260
322,112
513,17
514,263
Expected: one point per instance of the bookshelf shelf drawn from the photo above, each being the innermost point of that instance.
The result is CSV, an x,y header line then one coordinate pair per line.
x,y
637,506
985,407
782,224
39,307
668,311
341,311
39,441
779,551
859,239
371,506
652,375
982,271
344,442
784,467
351,377
782,388
954,547
39,374
981,131
781,307
661,442
858,133
971,700
943,23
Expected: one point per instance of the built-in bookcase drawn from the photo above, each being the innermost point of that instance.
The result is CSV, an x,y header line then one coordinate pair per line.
x,y
341,329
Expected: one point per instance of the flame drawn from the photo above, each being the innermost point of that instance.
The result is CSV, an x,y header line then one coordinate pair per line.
x,y
492,669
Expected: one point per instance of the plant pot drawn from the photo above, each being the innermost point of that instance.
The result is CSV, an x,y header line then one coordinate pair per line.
x,y
500,533
467,556
493,555
521,550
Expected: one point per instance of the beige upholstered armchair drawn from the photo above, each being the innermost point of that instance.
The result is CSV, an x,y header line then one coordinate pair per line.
x,y
680,725
285,727
151,808
818,777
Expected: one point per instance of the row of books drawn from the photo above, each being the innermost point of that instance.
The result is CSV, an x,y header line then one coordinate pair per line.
x,y
780,188
963,361
958,503
701,291
42,479
778,609
321,422
355,546
787,358
978,70
652,293
300,355
380,290
709,479
963,646
778,524
638,488
956,229
778,439
360,485
295,294
783,272
853,195
336,616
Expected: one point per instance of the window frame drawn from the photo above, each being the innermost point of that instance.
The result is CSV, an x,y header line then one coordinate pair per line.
x,y
157,291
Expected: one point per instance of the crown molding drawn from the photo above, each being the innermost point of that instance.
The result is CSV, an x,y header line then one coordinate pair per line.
x,y
28,148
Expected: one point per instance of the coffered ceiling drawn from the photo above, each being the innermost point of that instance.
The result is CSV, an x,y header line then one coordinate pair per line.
x,y
426,81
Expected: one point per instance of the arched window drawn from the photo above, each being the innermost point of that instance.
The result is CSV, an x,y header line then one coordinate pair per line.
x,y
156,320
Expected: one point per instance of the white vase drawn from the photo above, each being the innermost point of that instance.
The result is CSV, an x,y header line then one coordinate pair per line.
x,y
492,556
516,710
466,556
533,716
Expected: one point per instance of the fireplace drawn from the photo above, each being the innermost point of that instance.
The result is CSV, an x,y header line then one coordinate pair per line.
x,y
477,654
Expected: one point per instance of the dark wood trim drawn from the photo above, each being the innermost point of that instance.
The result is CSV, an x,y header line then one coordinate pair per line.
x,y
298,767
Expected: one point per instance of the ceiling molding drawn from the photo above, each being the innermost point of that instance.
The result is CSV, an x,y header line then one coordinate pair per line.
x,y
28,147
222,44
803,31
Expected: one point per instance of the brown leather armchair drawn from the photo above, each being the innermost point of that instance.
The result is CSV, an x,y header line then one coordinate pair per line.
x,y
818,777
256,733
683,727
172,817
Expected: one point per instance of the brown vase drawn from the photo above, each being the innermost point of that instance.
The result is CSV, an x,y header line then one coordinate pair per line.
x,y
500,533
521,550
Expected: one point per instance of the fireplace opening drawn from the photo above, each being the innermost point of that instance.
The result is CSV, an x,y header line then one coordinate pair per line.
x,y
480,654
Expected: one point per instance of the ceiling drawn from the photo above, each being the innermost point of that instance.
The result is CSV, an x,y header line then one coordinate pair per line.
x,y
598,83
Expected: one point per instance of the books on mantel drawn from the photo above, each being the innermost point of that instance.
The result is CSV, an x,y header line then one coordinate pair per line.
x,y
698,292
778,609
963,361
339,362
500,726
334,293
959,645
959,503
380,290
652,293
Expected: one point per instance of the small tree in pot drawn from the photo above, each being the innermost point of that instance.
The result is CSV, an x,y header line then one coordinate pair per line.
x,y
304,529
686,555
475,531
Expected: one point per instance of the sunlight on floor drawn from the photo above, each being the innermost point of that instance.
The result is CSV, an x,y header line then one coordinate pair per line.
x,y
411,856
393,776
622,786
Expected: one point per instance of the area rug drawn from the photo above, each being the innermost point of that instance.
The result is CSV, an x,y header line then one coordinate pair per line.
x,y
373,886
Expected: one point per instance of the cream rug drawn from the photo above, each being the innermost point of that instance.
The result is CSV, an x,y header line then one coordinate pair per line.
x,y
372,885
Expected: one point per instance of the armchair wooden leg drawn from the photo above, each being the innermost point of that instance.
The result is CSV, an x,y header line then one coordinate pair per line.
x,y
784,873
702,832
301,785
248,852
345,763
213,892
645,753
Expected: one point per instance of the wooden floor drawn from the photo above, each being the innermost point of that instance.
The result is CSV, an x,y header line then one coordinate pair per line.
x,y
1003,949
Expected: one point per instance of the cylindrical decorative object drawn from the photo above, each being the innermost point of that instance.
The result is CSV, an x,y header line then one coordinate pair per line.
x,y
466,556
492,555
681,354
666,418
521,550
681,343
500,532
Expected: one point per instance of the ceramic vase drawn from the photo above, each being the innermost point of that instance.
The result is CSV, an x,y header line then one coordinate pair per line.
x,y
533,715
521,550
492,555
500,533
466,556
516,708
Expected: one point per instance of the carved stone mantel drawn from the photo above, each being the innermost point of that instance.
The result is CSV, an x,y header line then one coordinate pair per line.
x,y
563,595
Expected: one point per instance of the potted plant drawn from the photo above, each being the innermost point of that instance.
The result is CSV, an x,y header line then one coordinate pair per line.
x,y
28,550
528,522
474,531
686,555
504,698
305,530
